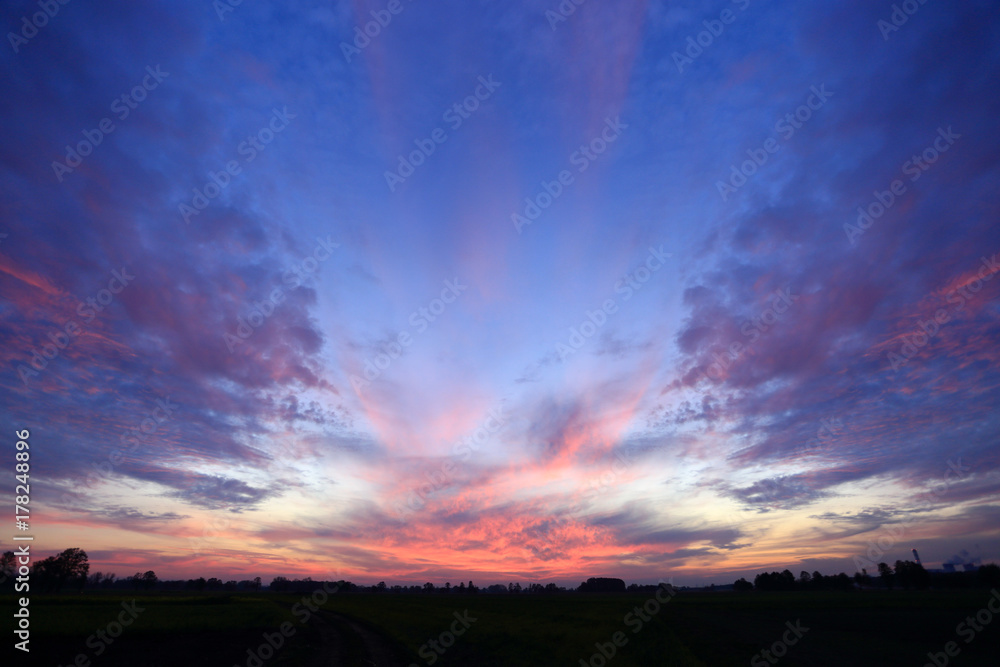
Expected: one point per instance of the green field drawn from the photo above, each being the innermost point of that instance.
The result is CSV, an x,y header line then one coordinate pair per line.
x,y
850,628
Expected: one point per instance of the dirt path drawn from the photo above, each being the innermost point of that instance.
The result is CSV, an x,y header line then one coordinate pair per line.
x,y
347,642
331,648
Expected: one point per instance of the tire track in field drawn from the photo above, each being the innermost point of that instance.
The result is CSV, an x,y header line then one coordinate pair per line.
x,y
375,650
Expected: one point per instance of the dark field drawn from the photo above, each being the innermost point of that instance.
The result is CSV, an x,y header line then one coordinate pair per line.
x,y
851,628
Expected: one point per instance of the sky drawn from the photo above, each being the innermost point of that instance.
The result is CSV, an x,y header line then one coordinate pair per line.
x,y
502,292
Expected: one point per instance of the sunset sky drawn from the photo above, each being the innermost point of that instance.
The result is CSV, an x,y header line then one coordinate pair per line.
x,y
486,296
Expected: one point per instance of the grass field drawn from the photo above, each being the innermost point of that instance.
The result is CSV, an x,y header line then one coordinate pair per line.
x,y
853,628
162,630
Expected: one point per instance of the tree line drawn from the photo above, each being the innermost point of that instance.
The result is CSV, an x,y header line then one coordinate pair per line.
x,y
906,574
70,570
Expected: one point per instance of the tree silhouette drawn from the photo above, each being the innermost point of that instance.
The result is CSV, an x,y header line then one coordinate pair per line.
x,y
990,575
602,585
775,581
910,574
885,573
70,566
7,569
